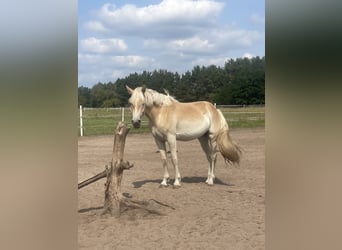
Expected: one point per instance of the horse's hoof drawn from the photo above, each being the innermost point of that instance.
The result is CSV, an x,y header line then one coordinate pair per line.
x,y
163,186
176,186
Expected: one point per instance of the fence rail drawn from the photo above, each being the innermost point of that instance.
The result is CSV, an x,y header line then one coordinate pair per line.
x,y
101,121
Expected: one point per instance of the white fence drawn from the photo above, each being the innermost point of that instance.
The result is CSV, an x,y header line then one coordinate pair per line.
x,y
96,121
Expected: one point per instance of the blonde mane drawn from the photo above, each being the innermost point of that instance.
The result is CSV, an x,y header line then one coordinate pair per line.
x,y
155,98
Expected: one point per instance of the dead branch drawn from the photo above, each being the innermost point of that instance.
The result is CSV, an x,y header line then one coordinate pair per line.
x,y
92,179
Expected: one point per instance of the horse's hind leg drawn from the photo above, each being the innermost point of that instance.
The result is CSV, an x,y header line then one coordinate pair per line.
x,y
162,150
208,147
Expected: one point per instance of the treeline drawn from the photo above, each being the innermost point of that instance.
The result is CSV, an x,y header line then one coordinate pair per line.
x,y
240,81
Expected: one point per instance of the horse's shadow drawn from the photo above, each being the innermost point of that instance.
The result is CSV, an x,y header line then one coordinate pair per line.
x,y
186,179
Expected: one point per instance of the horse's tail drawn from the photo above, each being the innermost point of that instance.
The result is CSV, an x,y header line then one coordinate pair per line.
x,y
228,148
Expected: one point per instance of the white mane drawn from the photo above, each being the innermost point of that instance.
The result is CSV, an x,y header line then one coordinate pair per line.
x,y
155,98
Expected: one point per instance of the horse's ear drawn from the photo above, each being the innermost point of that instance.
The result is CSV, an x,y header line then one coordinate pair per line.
x,y
129,90
166,91
143,89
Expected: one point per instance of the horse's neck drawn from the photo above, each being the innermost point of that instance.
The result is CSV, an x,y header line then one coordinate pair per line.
x,y
152,112
154,106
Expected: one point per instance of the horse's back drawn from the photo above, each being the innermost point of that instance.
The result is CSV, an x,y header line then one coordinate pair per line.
x,y
195,108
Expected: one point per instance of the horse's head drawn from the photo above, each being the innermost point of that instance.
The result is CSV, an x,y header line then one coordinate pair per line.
x,y
137,102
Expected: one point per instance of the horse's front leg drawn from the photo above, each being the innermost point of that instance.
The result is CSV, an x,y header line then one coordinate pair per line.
x,y
173,149
162,151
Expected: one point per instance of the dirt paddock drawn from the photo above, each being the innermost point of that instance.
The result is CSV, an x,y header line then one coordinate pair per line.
x,y
228,215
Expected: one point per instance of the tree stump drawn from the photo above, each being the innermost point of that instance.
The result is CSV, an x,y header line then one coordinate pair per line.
x,y
113,195
114,202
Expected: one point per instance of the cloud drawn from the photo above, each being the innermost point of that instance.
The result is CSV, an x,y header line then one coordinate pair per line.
x,y
247,55
96,45
172,34
213,42
236,38
206,61
191,45
256,19
95,26
103,60
95,68
131,61
168,18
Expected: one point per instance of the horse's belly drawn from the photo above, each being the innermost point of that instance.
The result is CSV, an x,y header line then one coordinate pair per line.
x,y
188,137
187,133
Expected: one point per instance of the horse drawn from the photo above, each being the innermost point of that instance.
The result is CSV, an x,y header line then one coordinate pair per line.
x,y
171,120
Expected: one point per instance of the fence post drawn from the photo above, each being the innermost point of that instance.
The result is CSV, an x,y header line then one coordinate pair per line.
x,y
81,121
123,114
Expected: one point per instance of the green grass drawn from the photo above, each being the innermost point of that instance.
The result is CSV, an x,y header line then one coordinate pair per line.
x,y
102,121
244,117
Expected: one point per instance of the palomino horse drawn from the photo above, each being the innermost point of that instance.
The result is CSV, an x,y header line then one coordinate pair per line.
x,y
171,120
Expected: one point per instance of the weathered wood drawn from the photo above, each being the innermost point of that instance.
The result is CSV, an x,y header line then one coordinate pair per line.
x,y
114,202
113,194
92,179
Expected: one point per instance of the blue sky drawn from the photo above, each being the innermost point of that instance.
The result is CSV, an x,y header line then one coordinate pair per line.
x,y
117,38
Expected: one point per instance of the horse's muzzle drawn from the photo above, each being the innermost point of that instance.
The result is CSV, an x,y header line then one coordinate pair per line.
x,y
136,124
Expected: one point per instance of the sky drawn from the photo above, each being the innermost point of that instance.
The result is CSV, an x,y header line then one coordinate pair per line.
x,y
116,38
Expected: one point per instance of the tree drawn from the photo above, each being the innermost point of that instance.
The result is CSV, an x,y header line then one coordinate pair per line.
x,y
240,81
84,94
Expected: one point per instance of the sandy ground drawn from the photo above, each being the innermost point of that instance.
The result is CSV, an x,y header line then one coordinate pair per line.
x,y
228,215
